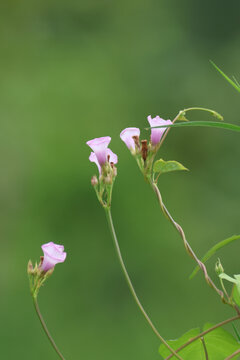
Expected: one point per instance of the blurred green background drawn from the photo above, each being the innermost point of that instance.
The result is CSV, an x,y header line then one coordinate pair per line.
x,y
74,70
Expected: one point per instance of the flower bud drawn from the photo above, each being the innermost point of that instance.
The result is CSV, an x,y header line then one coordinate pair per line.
x,y
108,180
219,268
30,268
94,181
114,171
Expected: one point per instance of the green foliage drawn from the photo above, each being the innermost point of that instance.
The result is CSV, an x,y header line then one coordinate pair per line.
x,y
213,251
235,280
234,83
214,124
161,166
219,343
236,332
193,351
236,295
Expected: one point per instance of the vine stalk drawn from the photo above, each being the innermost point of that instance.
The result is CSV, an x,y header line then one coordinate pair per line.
x,y
186,244
129,282
46,329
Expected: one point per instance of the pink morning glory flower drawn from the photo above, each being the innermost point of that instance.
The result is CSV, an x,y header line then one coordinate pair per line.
x,y
112,158
99,147
127,137
156,134
53,254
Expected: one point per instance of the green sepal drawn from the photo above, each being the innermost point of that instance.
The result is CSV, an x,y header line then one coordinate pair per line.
x,y
161,166
37,277
182,117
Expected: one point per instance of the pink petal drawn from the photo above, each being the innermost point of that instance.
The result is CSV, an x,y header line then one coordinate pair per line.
x,y
53,254
93,158
99,146
127,136
113,157
156,134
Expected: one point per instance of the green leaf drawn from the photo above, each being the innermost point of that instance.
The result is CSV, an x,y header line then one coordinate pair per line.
x,y
193,351
236,332
161,166
234,84
215,124
219,343
228,278
213,250
236,295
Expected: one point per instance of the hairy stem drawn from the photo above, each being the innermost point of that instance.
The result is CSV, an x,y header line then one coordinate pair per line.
x,y
186,244
204,333
129,282
46,329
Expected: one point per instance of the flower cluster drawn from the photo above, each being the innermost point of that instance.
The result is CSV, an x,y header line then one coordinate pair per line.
x,y
105,160
144,151
53,254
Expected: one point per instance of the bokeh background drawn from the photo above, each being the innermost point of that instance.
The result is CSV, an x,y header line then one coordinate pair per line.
x,y
74,70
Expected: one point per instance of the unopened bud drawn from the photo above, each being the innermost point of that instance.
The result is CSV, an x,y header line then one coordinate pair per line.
x,y
30,267
219,268
108,180
94,181
114,171
144,149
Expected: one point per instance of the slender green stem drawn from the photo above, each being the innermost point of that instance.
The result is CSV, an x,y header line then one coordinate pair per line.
x,y
224,290
46,329
213,112
129,282
204,333
233,355
204,347
181,112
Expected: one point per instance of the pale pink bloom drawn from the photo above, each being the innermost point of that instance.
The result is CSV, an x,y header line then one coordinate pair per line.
x,y
112,158
53,254
99,147
127,136
156,134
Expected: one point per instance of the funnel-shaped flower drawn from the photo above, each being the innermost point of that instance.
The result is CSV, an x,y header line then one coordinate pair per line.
x,y
156,134
99,146
127,136
112,158
53,254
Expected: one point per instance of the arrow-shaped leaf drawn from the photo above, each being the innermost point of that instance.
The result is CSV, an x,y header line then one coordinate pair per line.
x,y
161,166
